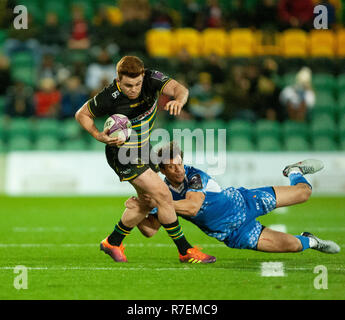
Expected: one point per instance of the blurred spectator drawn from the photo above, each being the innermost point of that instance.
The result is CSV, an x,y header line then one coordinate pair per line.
x,y
5,74
23,40
239,102
299,98
104,33
190,11
100,73
136,15
238,16
266,14
6,13
296,14
79,33
19,101
160,17
52,36
47,99
213,14
48,68
215,67
74,95
184,67
267,96
205,103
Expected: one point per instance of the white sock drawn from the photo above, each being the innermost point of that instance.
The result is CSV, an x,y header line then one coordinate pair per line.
x,y
312,243
295,170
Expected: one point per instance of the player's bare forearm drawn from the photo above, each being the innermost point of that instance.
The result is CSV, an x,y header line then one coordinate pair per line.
x,y
186,207
180,96
86,120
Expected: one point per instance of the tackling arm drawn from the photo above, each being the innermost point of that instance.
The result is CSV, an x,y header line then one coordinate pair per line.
x,y
191,205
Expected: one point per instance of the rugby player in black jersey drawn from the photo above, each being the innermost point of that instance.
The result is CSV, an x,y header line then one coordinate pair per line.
x,y
134,93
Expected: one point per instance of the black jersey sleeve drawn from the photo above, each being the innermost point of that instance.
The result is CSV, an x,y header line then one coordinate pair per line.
x,y
158,80
99,104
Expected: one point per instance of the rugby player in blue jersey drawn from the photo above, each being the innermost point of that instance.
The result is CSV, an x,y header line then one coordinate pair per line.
x,y
230,214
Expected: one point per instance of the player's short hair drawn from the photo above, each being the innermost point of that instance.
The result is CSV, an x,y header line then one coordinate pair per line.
x,y
130,66
168,152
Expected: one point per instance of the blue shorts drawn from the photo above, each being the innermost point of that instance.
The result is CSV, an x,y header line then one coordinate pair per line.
x,y
258,202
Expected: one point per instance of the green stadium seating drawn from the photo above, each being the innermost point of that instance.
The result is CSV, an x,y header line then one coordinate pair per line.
x,y
47,127
19,144
324,143
341,128
240,128
3,37
74,145
2,104
70,129
269,144
20,127
3,147
266,128
22,59
240,144
324,103
47,143
323,125
324,82
341,83
294,129
95,145
26,74
296,143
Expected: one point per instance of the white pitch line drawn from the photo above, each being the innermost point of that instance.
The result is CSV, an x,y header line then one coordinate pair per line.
x,y
272,269
140,245
281,210
278,227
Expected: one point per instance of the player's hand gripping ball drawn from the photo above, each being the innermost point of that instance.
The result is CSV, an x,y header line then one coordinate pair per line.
x,y
119,126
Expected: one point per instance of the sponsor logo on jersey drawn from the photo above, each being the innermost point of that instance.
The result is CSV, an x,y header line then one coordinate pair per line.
x,y
115,94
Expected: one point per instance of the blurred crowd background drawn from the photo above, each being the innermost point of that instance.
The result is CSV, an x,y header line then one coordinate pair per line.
x,y
258,68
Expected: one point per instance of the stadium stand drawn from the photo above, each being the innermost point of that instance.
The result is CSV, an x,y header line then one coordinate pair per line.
x,y
241,53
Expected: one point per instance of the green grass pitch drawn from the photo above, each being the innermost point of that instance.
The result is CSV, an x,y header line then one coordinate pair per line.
x,y
57,239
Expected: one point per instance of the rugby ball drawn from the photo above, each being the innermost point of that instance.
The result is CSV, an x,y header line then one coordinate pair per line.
x,y
119,126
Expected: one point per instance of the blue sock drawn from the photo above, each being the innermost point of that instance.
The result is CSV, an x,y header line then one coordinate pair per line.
x,y
298,178
304,242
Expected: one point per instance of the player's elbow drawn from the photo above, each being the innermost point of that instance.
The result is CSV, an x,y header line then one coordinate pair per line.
x,y
193,211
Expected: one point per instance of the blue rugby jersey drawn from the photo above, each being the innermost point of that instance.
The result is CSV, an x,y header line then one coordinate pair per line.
x,y
222,211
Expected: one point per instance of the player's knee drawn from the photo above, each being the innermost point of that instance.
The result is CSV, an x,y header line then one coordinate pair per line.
x,y
132,203
305,192
163,196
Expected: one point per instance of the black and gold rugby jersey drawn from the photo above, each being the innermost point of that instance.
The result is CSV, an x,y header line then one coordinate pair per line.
x,y
141,112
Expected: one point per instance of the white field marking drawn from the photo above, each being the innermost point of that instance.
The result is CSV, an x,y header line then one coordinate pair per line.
x,y
272,269
140,245
73,268
281,210
278,227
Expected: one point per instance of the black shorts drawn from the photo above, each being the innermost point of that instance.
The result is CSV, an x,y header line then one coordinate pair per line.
x,y
135,165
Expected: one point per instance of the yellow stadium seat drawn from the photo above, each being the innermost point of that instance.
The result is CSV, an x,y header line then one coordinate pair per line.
x,y
294,43
241,43
189,39
322,43
340,43
213,41
159,43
